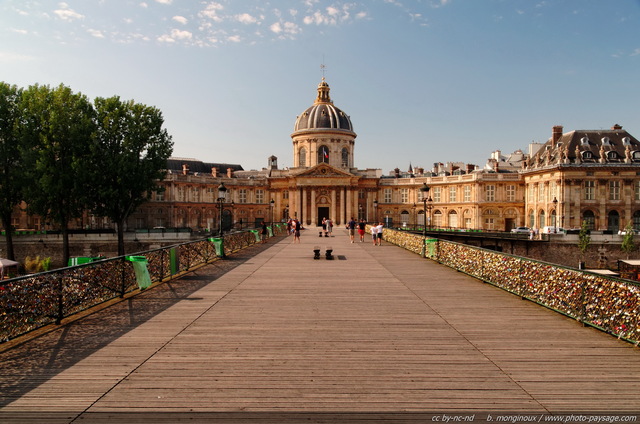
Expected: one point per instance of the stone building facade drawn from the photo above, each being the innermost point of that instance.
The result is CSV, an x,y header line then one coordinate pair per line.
x,y
591,176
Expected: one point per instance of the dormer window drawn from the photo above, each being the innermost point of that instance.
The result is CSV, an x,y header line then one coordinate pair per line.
x,y
587,155
605,141
612,155
584,141
636,155
626,141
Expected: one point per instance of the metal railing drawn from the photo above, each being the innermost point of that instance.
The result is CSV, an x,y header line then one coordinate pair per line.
x,y
608,303
33,301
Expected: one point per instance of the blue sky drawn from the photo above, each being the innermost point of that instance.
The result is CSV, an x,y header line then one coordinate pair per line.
x,y
424,81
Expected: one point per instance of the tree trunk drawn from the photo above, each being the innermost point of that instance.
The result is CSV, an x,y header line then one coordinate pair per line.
x,y
6,223
119,226
65,244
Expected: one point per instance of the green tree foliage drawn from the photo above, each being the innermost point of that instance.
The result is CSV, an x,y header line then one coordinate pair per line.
x,y
628,244
11,166
56,131
584,239
130,155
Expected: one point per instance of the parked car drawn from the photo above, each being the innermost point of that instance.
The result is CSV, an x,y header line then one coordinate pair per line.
x,y
521,230
550,229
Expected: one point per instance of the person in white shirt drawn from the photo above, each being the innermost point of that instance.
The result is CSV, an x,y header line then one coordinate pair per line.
x,y
379,234
374,234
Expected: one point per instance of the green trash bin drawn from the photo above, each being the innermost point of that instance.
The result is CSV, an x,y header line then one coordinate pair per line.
x,y
142,272
219,245
257,234
270,231
79,260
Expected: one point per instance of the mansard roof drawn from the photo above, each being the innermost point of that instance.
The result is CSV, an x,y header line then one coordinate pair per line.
x,y
612,146
175,165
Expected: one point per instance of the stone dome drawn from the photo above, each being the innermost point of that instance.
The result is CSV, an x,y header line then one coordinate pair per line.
x,y
323,115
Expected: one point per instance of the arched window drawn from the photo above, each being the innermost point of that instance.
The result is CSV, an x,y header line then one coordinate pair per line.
x,y
613,221
302,157
345,157
541,219
636,220
437,219
590,219
404,218
323,154
453,219
532,219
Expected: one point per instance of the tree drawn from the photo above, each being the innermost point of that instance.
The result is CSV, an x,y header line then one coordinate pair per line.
x,y
628,245
56,132
584,240
11,165
130,153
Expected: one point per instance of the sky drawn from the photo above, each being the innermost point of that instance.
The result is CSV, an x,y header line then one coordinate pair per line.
x,y
423,81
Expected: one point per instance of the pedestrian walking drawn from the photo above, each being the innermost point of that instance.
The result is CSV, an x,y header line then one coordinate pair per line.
x,y
352,229
330,226
263,232
296,231
362,226
379,233
374,234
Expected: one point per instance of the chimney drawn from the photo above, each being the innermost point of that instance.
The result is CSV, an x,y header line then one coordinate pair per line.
x,y
229,172
556,134
616,127
397,172
185,169
214,171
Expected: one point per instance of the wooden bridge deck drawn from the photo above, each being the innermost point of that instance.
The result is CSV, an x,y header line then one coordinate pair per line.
x,y
271,334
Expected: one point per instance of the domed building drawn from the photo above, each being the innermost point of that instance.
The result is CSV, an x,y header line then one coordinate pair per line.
x,y
323,134
323,182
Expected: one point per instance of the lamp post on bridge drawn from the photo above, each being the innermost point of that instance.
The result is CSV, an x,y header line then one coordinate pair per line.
x,y
272,203
425,196
555,217
222,197
375,211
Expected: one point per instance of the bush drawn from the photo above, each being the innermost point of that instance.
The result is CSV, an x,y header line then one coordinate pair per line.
x,y
34,265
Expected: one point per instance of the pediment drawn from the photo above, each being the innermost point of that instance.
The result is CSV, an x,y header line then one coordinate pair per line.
x,y
324,171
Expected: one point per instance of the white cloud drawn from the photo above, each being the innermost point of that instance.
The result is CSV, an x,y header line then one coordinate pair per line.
x,y
234,38
166,39
19,31
636,52
10,57
245,18
211,11
181,35
180,19
164,1
67,14
277,28
95,33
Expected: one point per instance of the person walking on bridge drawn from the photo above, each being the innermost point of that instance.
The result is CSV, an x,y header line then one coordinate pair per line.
x,y
374,234
352,228
379,234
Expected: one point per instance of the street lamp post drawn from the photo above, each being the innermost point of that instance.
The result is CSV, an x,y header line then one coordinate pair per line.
x,y
272,203
555,217
425,195
375,211
222,196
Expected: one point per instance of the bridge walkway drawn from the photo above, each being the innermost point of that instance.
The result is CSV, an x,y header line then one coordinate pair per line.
x,y
273,331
